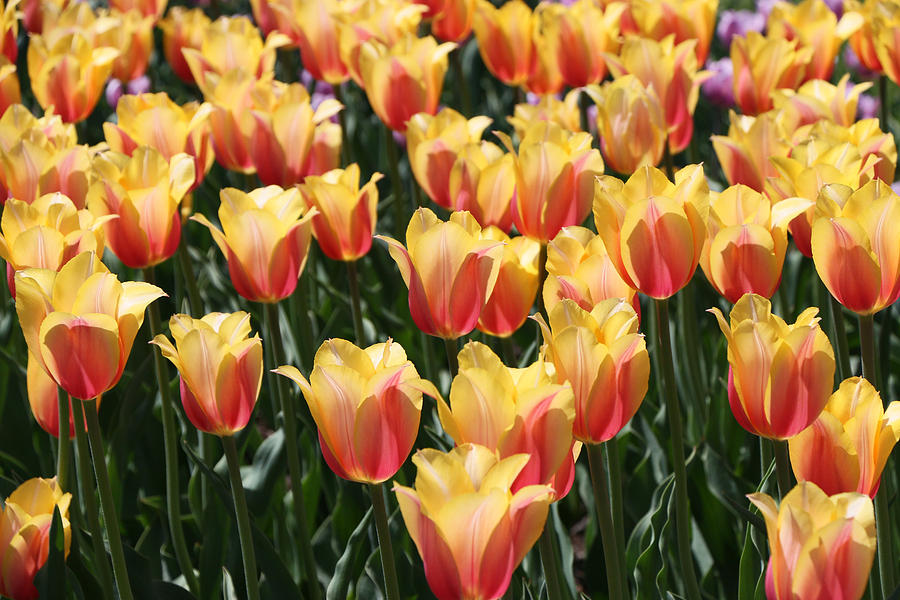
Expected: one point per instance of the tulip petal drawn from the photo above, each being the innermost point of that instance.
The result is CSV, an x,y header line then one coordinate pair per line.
x,y
81,352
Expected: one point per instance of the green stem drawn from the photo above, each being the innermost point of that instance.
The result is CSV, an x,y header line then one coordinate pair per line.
x,y
353,283
673,410
110,517
190,280
611,554
170,449
391,585
243,517
64,454
542,278
669,163
867,348
584,103
614,468
452,348
461,82
90,502
551,569
342,119
293,453
400,220
883,93
782,466
840,335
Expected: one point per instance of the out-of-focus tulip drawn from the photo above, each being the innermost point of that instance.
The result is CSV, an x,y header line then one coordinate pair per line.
x,y
846,448
818,99
449,270
544,77
10,92
855,246
510,301
564,113
821,547
505,39
579,268
434,143
672,72
25,534
69,74
514,411
868,21
815,26
764,64
747,241
653,229
155,120
555,172
37,12
366,404
313,27
631,124
346,215
133,37
231,119
779,375
751,141
220,367
685,19
405,78
470,529
183,28
265,237
454,22
9,30
602,355
144,191
483,182
149,8
80,323
578,36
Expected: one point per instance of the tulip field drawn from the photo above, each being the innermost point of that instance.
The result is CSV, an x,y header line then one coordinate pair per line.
x,y
455,299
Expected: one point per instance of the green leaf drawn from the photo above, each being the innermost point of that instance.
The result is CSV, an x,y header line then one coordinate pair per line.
x,y
344,573
748,572
50,581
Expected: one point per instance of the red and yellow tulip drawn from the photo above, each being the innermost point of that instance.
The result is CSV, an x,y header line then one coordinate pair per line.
x,y
815,26
504,37
763,65
510,301
685,19
751,141
183,28
313,27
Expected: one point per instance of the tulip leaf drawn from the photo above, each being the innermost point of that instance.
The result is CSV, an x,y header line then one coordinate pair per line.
x,y
344,571
640,549
260,477
748,576
50,581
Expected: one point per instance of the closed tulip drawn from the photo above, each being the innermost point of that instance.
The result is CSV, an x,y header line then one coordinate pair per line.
x,y
855,246
747,241
405,78
366,404
602,355
654,229
822,547
25,534
815,25
10,91
513,411
80,323
684,19
43,399
555,172
265,237
470,529
220,367
183,28
144,191
751,141
346,215
449,269
544,77
513,295
847,447
505,39
764,64
133,37
454,21
313,27
482,181
231,120
779,375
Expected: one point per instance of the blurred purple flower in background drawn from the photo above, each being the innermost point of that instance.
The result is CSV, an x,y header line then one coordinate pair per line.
x,y
719,88
856,67
738,23
141,85
764,7
868,106
836,6
114,91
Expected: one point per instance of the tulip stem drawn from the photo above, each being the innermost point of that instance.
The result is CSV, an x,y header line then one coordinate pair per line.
x,y
867,347
464,96
673,410
840,335
353,283
110,517
64,454
452,348
243,517
615,494
667,160
190,280
293,453
542,278
170,450
548,561
883,93
396,184
782,466
611,554
391,585
90,501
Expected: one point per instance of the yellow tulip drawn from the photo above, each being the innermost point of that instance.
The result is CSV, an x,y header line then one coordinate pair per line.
x,y
564,113
482,181
764,64
510,301
751,141
183,28
818,99
505,39
133,37
313,27
685,19
815,25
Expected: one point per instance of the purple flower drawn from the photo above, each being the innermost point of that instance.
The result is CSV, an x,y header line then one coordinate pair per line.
x,y
720,87
856,66
836,6
114,91
764,7
867,107
896,187
738,23
141,85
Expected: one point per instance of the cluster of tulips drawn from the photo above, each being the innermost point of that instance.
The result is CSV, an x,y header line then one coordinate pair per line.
x,y
612,87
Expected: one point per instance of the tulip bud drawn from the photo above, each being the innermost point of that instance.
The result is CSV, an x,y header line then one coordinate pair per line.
x,y
517,283
313,27
505,39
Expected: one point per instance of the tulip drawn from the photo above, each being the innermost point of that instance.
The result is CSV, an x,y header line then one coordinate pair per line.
x,y
10,92
345,219
631,124
847,447
751,141
25,534
822,547
884,32
183,28
403,79
434,143
313,27
148,8
231,119
144,190
779,375
155,120
505,39
578,37
80,323
509,302
747,241
43,399
653,229
454,22
36,12
555,172
854,247
449,270
220,367
544,77
817,100
602,355
482,181
871,23
764,64
9,31
265,237
579,268
564,113
469,528
815,26
366,404
133,37
514,411
685,19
